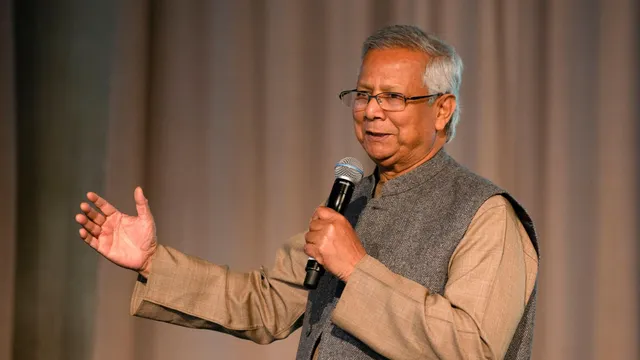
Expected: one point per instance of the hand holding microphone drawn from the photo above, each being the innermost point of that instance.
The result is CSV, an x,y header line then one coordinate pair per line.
x,y
331,240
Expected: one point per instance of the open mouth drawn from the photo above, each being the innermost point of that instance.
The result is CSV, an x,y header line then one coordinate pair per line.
x,y
376,135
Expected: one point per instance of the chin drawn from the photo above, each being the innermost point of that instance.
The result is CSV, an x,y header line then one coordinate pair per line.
x,y
382,159
379,151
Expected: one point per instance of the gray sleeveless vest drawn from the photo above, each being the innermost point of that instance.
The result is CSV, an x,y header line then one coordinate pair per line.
x,y
413,228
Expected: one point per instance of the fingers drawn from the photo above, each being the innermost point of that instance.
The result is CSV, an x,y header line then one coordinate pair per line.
x,y
312,251
318,224
89,225
92,214
88,238
325,213
102,204
322,217
142,204
310,248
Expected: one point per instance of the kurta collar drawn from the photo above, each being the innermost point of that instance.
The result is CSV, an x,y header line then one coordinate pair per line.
x,y
417,176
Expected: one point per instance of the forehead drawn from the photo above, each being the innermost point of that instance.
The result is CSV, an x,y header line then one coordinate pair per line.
x,y
393,69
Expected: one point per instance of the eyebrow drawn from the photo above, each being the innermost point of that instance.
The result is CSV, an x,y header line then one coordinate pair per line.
x,y
386,88
362,87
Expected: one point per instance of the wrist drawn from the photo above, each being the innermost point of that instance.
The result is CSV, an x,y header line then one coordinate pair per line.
x,y
145,270
347,275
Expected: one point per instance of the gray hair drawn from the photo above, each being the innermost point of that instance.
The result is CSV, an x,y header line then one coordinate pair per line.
x,y
444,70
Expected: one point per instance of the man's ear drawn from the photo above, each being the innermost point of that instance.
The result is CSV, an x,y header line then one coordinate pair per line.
x,y
446,106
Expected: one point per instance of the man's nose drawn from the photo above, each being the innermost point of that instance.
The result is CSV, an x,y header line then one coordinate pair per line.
x,y
373,109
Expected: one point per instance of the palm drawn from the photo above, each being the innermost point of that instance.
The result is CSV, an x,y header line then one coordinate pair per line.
x,y
127,241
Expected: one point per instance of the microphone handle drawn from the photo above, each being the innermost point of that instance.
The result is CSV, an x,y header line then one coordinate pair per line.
x,y
338,200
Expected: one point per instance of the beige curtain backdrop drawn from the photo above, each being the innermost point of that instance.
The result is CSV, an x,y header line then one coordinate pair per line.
x,y
226,112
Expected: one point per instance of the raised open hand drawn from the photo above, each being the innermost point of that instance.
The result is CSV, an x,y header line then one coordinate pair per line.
x,y
127,241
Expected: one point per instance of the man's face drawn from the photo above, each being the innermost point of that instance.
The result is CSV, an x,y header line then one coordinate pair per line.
x,y
395,139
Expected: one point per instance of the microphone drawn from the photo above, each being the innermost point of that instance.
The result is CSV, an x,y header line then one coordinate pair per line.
x,y
348,173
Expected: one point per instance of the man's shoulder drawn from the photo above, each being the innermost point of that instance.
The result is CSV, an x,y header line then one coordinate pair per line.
x,y
467,186
496,201
464,175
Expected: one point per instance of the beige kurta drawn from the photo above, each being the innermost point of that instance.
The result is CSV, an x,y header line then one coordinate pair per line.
x,y
491,276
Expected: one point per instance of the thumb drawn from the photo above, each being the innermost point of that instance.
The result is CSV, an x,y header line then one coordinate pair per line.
x,y
326,213
142,205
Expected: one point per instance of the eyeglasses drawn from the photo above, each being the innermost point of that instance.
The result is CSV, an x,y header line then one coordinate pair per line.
x,y
388,101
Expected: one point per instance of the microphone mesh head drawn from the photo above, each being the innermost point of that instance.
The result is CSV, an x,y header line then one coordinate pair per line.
x,y
349,169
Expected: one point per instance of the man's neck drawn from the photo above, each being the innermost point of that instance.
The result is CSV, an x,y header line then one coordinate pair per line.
x,y
383,175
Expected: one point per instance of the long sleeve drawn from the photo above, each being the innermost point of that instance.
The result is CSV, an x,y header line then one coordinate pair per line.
x,y
490,278
262,306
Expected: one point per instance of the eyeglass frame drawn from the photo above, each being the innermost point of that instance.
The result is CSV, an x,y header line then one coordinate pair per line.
x,y
369,96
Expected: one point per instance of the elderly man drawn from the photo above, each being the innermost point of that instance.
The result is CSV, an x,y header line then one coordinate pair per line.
x,y
429,261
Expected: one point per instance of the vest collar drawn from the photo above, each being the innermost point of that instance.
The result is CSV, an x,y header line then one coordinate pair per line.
x,y
415,177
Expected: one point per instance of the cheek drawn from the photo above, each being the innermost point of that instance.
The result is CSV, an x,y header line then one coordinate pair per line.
x,y
414,130
403,127
358,121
